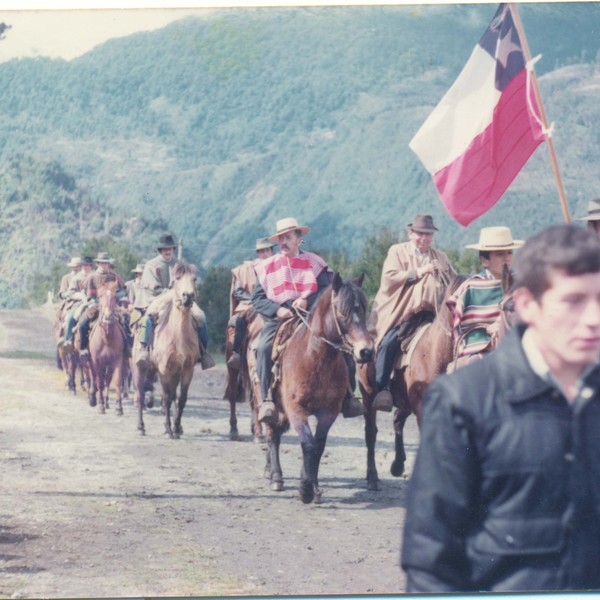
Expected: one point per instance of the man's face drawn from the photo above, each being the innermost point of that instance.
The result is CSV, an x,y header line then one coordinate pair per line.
x,y
289,243
566,320
495,263
167,253
421,240
264,253
103,266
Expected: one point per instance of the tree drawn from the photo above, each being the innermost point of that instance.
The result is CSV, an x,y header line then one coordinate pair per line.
x,y
213,294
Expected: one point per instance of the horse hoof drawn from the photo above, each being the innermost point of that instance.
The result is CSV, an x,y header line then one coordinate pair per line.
x,y
93,402
373,486
234,436
101,410
119,412
317,499
307,492
277,486
258,439
397,468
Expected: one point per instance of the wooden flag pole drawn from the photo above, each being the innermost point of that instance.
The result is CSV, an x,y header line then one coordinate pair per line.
x,y
525,47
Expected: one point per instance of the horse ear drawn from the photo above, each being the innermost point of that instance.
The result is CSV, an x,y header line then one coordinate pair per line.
x,y
358,281
337,282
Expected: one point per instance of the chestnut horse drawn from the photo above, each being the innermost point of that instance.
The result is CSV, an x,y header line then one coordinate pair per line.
x,y
68,357
240,384
430,355
175,352
107,349
314,379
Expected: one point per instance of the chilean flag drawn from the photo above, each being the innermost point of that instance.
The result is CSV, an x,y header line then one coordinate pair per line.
x,y
485,128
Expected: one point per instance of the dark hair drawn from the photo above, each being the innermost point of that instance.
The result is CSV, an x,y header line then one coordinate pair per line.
x,y
484,254
570,249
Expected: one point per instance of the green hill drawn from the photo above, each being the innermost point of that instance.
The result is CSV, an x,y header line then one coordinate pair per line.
x,y
215,127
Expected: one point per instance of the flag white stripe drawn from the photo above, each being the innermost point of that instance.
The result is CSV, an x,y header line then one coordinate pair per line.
x,y
462,114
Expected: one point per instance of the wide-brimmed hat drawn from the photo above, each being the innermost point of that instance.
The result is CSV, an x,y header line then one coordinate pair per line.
x,y
139,268
74,262
423,224
264,243
593,211
103,257
166,241
495,238
288,224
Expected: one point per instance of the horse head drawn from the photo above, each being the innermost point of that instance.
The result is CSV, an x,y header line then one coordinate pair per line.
x,y
349,309
107,301
184,285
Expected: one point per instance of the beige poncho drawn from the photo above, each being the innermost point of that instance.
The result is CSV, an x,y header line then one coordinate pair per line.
x,y
397,299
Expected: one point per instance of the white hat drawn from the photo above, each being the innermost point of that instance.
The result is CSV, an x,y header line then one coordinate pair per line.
x,y
496,238
264,243
593,211
74,262
288,224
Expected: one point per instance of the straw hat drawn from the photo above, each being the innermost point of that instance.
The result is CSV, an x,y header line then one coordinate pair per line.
x,y
264,243
593,211
496,238
288,224
103,257
139,268
74,262
423,224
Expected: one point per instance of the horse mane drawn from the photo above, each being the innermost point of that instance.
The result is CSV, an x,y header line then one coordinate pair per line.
x,y
180,268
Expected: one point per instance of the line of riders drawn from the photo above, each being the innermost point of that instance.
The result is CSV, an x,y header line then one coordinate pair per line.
x,y
142,300
276,287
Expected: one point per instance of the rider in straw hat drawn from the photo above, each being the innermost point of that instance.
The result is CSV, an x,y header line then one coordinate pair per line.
x,y
476,303
75,265
288,282
243,280
593,216
412,277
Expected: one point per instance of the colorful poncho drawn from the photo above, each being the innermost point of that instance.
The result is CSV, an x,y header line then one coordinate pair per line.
x,y
475,305
287,279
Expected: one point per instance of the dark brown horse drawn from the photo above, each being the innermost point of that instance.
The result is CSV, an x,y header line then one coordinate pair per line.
x,y
313,378
429,357
68,359
175,352
107,349
240,385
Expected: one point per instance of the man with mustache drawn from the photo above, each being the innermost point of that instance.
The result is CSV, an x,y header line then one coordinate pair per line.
x,y
289,281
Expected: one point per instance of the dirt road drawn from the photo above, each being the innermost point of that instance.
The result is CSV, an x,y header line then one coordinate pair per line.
x,y
88,507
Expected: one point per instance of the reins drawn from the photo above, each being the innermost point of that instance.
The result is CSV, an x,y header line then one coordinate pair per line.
x,y
345,346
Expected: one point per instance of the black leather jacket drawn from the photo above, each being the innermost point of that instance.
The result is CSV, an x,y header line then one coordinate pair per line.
x,y
505,493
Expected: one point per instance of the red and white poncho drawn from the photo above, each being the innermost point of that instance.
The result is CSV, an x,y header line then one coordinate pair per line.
x,y
285,278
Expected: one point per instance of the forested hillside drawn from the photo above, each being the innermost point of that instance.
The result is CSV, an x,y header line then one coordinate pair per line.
x,y
214,127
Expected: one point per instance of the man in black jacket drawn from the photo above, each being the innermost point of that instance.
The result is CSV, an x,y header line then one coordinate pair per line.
x,y
505,493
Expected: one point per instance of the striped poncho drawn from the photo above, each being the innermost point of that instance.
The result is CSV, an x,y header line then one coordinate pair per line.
x,y
285,279
475,305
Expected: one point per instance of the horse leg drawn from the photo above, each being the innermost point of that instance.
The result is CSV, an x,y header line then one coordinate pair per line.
x,y
119,390
397,468
183,393
231,391
371,440
274,466
169,396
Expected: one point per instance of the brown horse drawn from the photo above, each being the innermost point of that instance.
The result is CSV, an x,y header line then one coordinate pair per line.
x,y
313,378
68,359
175,352
107,349
240,382
431,354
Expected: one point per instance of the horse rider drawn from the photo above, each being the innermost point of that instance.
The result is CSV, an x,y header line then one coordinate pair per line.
x,y
75,298
412,277
75,265
93,282
243,279
476,303
289,282
593,216
134,286
154,282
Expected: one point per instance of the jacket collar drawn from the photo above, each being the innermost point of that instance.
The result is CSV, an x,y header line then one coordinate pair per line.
x,y
514,368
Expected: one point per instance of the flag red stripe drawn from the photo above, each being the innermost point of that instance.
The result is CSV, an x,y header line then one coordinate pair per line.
x,y
471,184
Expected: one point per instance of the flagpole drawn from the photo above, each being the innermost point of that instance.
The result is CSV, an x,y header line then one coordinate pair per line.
x,y
527,54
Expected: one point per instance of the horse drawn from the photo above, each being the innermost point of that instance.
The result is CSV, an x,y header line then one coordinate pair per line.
x,y
68,359
175,352
313,378
241,383
430,353
107,349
